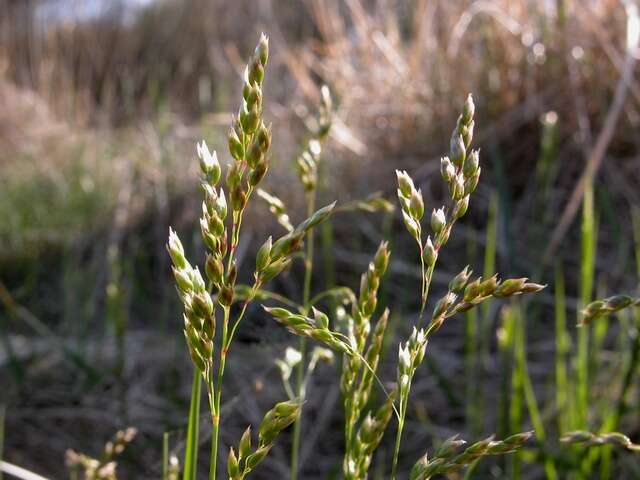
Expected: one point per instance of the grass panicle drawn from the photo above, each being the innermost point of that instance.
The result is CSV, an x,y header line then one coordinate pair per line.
x,y
607,306
103,467
358,371
589,439
242,461
223,210
460,171
447,458
209,326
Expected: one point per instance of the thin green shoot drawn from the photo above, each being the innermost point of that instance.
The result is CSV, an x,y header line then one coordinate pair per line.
x,y
191,449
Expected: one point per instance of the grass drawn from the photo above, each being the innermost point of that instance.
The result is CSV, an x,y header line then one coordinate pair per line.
x,y
562,351
249,141
460,172
191,450
595,369
307,167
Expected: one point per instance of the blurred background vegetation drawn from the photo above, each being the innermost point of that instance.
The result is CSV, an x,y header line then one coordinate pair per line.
x,y
101,103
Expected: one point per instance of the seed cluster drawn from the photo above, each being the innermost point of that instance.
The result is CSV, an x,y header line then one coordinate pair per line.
x,y
463,295
358,371
249,141
277,208
372,428
589,439
316,328
199,315
446,460
307,162
103,468
461,173
273,257
410,357
240,464
607,306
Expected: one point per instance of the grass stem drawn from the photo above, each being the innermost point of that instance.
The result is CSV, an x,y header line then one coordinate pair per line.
x,y
300,371
191,450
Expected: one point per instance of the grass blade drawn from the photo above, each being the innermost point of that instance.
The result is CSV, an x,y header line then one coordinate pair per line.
x,y
562,350
191,451
520,354
587,273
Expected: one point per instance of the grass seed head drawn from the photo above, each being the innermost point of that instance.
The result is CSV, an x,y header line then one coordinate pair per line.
x,y
607,306
209,165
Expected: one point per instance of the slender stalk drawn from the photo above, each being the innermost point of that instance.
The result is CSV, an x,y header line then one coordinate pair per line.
x,y
424,289
404,401
191,451
562,349
215,414
308,261
165,456
306,296
587,267
225,344
426,284
586,287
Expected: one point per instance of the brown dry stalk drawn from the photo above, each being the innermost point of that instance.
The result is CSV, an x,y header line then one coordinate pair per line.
x,y
596,157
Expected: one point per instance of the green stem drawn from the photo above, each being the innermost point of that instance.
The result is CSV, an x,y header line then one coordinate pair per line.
x,y
191,451
215,414
528,391
404,401
165,456
306,295
562,350
308,261
586,287
423,288
426,284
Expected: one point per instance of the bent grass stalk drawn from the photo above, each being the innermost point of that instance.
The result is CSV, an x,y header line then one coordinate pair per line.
x,y
461,182
461,173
